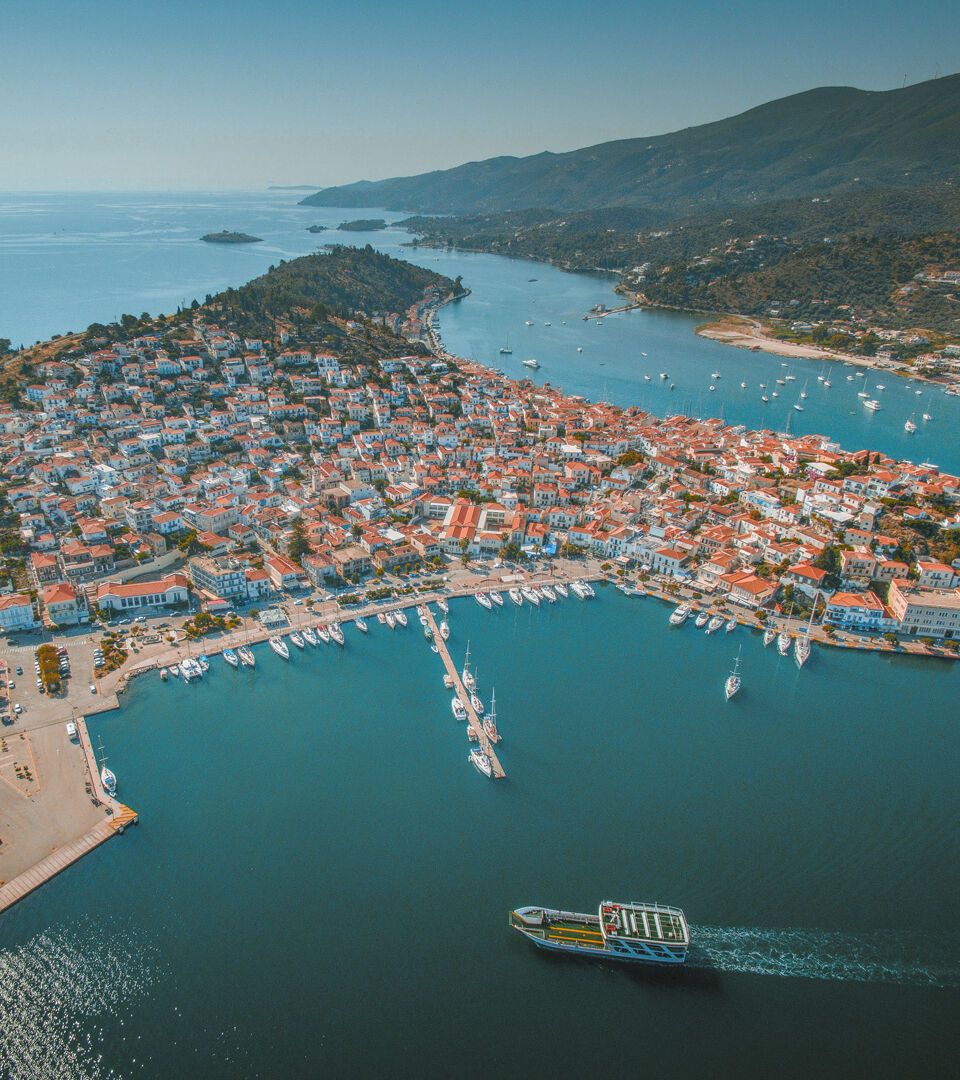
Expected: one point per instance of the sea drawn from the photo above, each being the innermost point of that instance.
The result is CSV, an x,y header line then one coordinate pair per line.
x,y
320,881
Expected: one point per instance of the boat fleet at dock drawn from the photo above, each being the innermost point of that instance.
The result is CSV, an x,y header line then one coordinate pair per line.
x,y
786,643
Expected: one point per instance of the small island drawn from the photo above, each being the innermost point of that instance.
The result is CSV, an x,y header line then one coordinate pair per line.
x,y
316,228
363,225
226,237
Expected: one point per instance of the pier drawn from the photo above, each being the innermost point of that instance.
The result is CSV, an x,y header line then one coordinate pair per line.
x,y
472,719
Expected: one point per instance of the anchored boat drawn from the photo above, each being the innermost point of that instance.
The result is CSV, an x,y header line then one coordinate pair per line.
x,y
634,932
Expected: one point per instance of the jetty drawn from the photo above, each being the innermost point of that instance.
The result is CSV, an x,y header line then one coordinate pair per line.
x,y
67,854
472,719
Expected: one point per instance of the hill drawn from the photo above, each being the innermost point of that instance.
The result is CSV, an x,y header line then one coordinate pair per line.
x,y
830,139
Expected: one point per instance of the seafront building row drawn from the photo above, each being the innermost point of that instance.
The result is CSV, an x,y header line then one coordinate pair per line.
x,y
238,470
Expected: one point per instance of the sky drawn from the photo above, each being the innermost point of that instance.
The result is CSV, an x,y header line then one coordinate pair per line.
x,y
210,94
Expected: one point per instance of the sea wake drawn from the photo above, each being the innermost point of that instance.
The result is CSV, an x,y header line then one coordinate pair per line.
x,y
817,954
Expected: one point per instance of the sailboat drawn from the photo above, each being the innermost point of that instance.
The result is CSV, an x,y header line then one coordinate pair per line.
x,y
468,680
490,723
107,776
801,647
911,425
734,682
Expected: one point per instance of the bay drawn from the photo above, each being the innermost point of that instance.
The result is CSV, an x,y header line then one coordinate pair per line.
x,y
320,881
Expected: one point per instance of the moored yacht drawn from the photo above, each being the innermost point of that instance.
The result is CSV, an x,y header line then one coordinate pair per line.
x,y
456,706
391,620
530,596
714,624
516,596
680,615
231,658
336,634
279,646
769,636
496,597
784,641
400,616
490,723
444,630
731,625
477,704
323,634
703,617
560,589
443,606
483,600
246,656
297,639
360,623
310,637
481,762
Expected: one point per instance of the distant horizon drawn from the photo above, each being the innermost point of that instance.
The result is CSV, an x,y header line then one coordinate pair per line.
x,y
240,95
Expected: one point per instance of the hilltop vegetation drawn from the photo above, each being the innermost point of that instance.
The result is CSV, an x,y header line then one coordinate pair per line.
x,y
823,141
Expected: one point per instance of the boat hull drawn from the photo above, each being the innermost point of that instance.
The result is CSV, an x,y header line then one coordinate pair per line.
x,y
601,952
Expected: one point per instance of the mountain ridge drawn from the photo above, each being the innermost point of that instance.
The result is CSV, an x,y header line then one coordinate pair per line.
x,y
822,140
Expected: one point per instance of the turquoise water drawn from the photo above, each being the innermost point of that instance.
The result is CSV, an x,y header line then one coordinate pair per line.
x,y
67,260
320,881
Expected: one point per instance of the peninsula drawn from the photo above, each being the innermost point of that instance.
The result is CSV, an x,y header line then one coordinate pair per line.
x,y
226,237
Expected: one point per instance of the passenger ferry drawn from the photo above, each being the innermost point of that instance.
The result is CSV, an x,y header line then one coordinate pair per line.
x,y
633,932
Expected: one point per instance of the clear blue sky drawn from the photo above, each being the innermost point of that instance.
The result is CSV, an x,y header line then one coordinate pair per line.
x,y
217,94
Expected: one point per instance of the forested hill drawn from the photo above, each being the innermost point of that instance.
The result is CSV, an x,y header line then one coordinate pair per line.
x,y
830,139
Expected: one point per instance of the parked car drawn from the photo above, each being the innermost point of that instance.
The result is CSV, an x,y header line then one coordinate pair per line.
x,y
10,684
18,708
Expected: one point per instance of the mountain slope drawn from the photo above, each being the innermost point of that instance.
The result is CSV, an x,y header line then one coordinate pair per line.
x,y
820,141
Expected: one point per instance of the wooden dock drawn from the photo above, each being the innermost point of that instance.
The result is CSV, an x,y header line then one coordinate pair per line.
x,y
472,719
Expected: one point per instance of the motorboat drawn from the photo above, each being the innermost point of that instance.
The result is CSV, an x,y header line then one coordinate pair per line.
x,y
360,623
769,636
481,762
531,363
873,406
164,674
400,616
443,606
279,646
680,615
456,706
703,617
714,624
444,629
731,625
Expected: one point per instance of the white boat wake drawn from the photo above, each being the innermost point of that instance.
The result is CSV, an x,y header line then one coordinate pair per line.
x,y
819,954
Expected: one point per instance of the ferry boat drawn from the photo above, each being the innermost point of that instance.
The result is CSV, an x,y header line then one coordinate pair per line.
x,y
398,615
231,658
714,624
634,932
483,600
496,597
531,363
680,615
459,712
246,656
734,682
360,623
481,762
561,590
310,637
530,596
336,634
516,596
784,641
297,640
769,636
703,617
444,630
490,723
323,634
279,646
